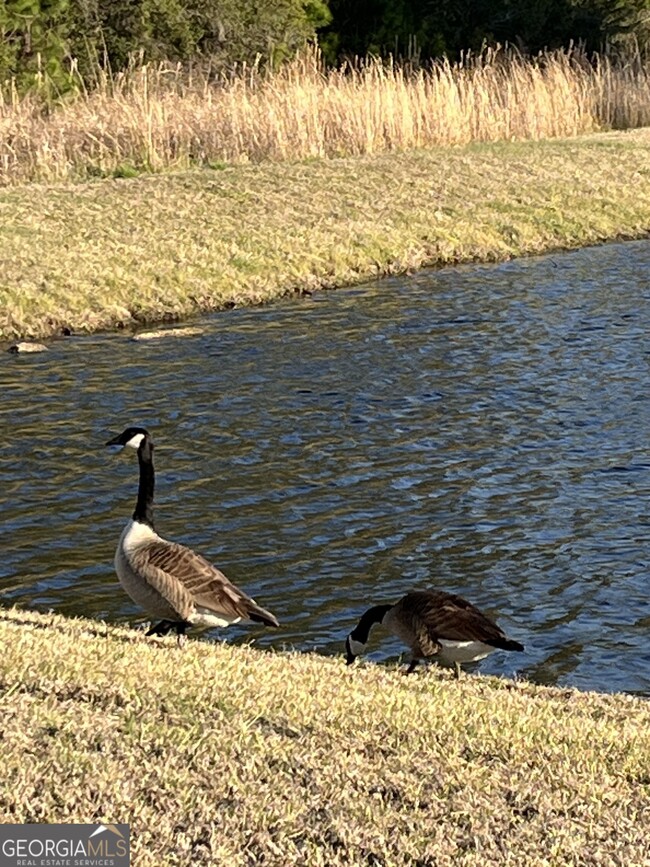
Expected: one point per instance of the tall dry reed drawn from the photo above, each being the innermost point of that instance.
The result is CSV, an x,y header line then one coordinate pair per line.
x,y
159,117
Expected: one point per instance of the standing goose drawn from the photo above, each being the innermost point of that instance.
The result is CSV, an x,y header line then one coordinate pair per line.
x,y
433,623
170,581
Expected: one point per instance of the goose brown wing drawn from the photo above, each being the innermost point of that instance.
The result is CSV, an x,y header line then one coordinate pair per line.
x,y
194,580
445,615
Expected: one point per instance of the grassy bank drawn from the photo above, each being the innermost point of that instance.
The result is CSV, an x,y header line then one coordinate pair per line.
x,y
225,755
114,252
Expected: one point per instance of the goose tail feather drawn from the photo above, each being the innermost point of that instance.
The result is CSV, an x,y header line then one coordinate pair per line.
x,y
261,615
507,644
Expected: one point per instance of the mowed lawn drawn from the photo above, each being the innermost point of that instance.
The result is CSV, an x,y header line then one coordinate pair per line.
x,y
225,755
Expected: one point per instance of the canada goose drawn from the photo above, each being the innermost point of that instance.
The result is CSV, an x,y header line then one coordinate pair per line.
x,y
433,623
168,580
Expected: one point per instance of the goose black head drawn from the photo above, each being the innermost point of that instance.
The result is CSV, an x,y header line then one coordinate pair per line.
x,y
352,649
132,437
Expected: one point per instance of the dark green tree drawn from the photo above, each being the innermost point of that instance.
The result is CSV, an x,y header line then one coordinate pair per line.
x,y
615,22
431,28
223,31
33,42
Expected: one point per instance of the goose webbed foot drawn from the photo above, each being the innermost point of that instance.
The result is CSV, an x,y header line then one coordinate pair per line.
x,y
161,628
181,638
165,627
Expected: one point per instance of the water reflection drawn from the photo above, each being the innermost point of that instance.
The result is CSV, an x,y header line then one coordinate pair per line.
x,y
479,429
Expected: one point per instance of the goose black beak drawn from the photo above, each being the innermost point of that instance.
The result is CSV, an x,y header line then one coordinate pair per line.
x,y
114,442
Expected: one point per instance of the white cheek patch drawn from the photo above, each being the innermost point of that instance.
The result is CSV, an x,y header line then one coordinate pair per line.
x,y
356,647
135,441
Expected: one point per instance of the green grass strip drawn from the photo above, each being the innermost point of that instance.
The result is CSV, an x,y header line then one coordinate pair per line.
x,y
106,253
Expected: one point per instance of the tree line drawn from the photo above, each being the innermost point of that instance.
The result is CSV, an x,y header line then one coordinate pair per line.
x,y
40,38
433,28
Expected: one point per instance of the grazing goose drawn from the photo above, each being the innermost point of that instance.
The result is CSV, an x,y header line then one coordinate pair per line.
x,y
433,623
168,580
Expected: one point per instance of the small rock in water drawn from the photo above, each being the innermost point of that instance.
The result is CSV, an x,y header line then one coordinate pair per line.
x,y
168,332
27,347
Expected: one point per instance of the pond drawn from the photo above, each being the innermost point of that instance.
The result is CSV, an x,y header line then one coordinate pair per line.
x,y
478,429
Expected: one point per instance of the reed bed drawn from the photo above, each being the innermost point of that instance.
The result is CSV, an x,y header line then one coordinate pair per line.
x,y
156,118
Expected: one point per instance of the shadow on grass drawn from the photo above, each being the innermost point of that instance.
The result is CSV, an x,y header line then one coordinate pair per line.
x,y
66,627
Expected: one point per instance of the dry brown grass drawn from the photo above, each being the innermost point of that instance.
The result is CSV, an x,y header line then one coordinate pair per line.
x,y
156,118
222,755
113,252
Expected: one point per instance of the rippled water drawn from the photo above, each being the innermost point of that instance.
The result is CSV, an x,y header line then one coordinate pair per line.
x,y
483,430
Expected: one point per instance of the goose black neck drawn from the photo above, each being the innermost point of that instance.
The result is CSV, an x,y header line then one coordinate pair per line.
x,y
144,505
368,620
